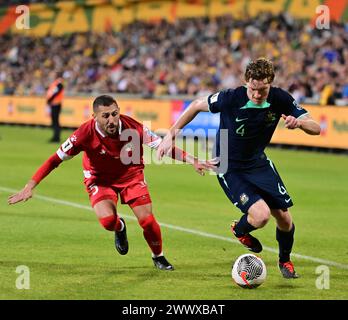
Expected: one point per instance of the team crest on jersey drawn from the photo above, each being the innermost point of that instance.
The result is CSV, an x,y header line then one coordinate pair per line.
x,y
270,117
73,138
243,198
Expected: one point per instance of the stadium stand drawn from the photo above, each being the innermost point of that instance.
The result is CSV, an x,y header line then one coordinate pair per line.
x,y
192,57
156,56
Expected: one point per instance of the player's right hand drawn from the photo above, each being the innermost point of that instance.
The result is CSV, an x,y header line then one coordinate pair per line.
x,y
25,194
291,122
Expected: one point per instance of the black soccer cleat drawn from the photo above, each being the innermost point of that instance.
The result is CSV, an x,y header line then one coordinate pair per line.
x,y
247,240
121,241
162,263
287,270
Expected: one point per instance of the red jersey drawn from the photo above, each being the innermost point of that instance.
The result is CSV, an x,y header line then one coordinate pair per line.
x,y
109,158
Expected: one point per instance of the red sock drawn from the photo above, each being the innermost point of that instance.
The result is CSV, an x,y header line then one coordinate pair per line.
x,y
152,234
111,223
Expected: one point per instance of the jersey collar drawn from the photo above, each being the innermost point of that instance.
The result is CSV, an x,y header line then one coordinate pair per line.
x,y
252,105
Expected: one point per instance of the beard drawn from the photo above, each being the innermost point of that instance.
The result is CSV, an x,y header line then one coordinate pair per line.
x,y
111,130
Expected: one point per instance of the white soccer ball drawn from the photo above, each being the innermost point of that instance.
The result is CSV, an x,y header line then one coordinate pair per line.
x,y
249,271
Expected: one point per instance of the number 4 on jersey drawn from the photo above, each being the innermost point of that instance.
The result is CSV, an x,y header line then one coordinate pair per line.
x,y
240,130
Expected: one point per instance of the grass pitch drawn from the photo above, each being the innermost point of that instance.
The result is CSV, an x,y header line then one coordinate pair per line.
x,y
70,256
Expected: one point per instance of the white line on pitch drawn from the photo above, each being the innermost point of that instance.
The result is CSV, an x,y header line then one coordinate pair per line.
x,y
178,228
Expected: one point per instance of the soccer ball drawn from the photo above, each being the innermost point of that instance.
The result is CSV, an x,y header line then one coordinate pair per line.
x,y
249,271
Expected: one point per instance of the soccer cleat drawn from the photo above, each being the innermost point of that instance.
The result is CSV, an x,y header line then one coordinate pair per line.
x,y
121,242
287,270
247,240
162,263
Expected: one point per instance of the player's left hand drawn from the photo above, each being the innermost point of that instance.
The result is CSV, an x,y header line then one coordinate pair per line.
x,y
291,122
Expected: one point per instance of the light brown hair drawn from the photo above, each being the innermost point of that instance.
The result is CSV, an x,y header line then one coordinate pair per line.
x,y
260,69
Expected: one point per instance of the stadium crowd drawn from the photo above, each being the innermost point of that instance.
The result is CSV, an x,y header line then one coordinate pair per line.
x,y
190,57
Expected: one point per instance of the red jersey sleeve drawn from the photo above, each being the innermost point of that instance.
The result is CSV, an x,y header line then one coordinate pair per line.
x,y
72,146
150,138
51,163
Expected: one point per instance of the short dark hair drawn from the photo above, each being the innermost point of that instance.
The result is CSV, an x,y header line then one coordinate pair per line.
x,y
260,69
103,100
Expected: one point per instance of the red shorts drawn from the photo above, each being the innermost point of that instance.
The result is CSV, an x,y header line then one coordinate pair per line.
x,y
132,191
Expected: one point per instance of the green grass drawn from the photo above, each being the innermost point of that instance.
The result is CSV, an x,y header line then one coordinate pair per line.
x,y
70,256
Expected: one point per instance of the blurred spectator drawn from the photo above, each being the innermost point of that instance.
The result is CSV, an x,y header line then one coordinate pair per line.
x,y
345,91
21,2
191,57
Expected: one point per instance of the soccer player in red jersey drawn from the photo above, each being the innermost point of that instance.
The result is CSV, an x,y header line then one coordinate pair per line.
x,y
113,167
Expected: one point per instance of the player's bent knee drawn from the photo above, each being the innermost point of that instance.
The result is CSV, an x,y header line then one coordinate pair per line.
x,y
262,218
262,221
109,222
259,214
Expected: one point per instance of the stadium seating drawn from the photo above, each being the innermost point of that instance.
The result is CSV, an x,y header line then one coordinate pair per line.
x,y
193,56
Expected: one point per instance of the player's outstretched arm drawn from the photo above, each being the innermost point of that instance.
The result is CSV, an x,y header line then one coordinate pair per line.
x,y
152,140
200,166
305,123
196,106
27,192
